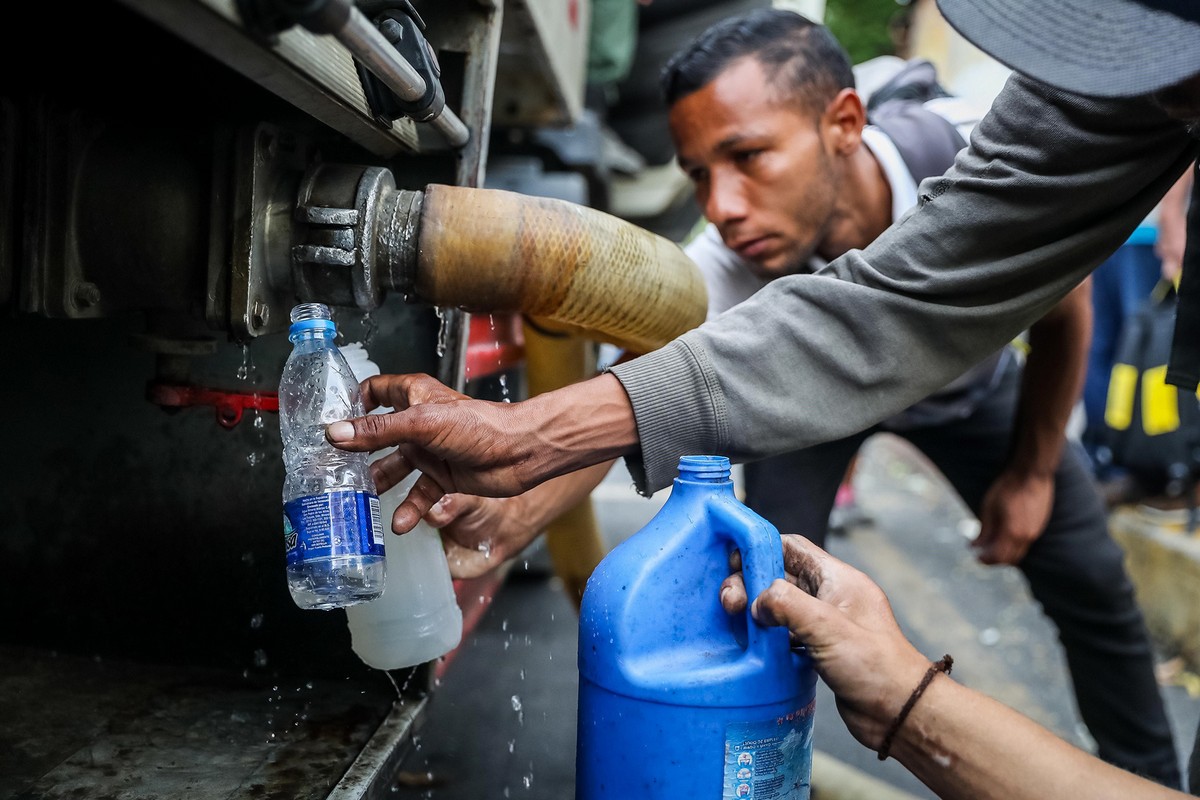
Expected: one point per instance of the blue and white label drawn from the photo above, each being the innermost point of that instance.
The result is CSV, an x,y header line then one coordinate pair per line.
x,y
769,760
334,524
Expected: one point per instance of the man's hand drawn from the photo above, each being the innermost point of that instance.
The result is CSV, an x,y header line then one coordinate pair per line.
x,y
1014,513
459,444
467,446
1017,506
846,624
480,533
1172,227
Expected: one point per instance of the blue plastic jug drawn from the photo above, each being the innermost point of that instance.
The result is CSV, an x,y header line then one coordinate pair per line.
x,y
677,698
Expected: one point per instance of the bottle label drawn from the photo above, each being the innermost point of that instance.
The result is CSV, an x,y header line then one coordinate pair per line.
x,y
769,760
334,524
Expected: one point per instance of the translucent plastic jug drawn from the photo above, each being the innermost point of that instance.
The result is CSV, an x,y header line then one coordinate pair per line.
x,y
677,698
417,619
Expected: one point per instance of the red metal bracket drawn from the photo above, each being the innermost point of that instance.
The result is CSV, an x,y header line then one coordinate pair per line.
x,y
229,406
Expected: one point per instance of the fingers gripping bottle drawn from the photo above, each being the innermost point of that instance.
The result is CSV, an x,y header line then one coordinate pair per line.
x,y
331,522
417,619
677,698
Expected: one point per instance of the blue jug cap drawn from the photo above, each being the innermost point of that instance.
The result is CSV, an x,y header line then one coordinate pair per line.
x,y
704,468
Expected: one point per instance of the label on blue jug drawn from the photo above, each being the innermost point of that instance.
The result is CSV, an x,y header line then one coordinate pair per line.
x,y
769,760
334,524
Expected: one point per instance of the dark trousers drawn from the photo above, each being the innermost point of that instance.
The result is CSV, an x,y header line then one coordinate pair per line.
x,y
1075,570
1194,766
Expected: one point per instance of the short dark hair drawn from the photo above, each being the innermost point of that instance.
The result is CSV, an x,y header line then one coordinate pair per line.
x,y
802,59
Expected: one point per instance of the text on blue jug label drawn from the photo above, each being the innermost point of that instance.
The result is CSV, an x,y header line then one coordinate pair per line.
x,y
769,760
334,524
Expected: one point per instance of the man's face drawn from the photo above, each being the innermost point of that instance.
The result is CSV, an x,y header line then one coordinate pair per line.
x,y
762,172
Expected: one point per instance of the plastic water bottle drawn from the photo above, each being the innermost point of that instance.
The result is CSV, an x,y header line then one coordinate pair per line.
x,y
331,522
677,698
417,619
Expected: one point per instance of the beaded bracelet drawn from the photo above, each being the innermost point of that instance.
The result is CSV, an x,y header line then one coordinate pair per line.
x,y
945,665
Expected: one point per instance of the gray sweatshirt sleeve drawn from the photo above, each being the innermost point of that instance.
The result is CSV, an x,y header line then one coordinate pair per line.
x,y
1051,185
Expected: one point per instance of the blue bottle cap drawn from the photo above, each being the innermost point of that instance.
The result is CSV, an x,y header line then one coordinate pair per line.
x,y
311,325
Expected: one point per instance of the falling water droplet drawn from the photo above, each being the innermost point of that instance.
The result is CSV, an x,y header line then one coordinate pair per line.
x,y
399,693
516,705
370,328
443,331
246,371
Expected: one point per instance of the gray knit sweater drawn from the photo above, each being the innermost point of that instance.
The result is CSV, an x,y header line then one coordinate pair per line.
x,y
1051,185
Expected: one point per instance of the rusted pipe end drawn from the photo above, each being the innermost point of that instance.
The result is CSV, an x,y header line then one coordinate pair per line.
x,y
396,241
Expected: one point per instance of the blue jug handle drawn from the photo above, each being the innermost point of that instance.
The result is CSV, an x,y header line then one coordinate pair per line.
x,y
762,563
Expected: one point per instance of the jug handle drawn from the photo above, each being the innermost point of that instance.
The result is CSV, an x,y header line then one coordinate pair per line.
x,y
762,562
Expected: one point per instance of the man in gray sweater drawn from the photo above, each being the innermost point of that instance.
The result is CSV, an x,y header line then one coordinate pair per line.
x,y
1070,158
1095,126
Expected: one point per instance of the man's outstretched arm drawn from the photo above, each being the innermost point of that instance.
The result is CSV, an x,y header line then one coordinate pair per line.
x,y
467,446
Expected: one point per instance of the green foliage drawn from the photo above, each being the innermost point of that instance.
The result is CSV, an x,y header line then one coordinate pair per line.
x,y
862,26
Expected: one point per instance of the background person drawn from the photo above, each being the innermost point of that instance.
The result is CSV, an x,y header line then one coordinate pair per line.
x,y
769,129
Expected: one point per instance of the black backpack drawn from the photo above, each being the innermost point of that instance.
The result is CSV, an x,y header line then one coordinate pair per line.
x,y
1153,428
927,142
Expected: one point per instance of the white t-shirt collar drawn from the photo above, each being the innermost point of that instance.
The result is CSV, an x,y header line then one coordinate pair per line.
x,y
904,188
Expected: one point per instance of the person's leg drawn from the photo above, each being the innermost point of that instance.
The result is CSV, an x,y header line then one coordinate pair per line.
x,y
1076,572
1194,766
795,491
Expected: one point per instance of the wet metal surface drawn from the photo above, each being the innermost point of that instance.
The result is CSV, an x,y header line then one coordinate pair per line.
x,y
75,727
